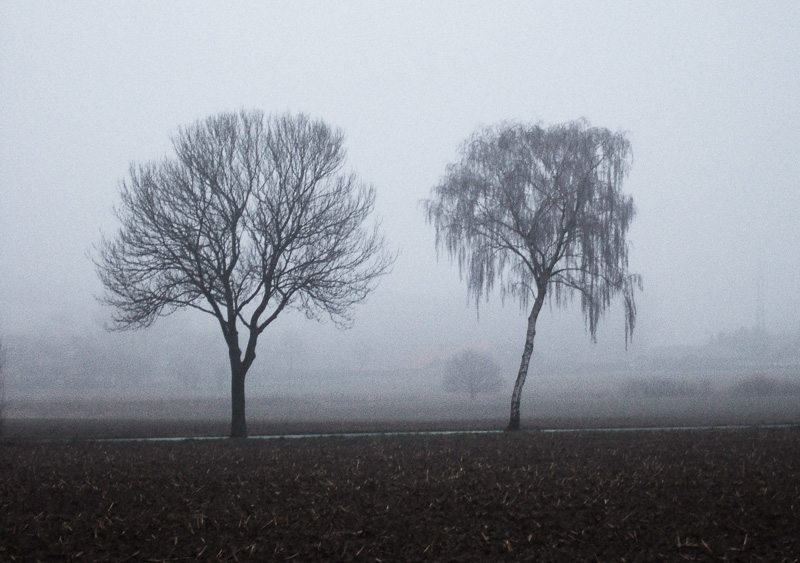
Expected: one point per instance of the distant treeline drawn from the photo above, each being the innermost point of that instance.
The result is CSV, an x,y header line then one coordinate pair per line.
x,y
80,366
174,364
758,385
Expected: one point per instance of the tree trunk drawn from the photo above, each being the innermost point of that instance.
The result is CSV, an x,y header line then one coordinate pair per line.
x,y
239,368
516,397
238,420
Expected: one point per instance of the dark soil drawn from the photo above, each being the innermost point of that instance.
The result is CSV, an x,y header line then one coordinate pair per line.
x,y
706,495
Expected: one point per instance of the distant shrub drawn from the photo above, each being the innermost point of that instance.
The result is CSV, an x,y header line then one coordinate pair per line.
x,y
760,385
660,387
472,373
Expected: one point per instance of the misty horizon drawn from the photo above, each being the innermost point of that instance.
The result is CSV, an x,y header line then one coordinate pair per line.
x,y
706,95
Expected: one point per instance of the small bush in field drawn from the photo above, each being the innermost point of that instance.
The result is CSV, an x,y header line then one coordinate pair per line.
x,y
472,373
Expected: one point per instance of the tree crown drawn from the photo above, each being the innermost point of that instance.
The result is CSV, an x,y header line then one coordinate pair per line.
x,y
472,372
251,216
536,207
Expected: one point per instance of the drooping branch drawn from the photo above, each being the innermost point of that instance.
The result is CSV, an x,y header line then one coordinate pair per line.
x,y
529,206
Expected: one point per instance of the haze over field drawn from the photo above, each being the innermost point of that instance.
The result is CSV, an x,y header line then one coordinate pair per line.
x,y
709,96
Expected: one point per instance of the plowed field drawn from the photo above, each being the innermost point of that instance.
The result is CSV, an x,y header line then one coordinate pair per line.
x,y
705,495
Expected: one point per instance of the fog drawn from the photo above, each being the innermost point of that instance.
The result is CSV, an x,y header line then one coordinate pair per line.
x,y
707,93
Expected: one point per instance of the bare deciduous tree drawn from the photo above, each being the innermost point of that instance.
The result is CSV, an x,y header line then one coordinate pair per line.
x,y
473,373
540,211
253,216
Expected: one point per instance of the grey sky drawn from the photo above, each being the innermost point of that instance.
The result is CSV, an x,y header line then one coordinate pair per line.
x,y
709,93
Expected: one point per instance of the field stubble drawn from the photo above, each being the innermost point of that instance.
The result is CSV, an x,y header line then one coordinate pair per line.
x,y
584,496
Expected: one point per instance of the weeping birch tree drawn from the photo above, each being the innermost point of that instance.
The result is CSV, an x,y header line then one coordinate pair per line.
x,y
253,216
539,211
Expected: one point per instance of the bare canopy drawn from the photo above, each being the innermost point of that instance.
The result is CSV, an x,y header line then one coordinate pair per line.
x,y
539,211
472,372
252,216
